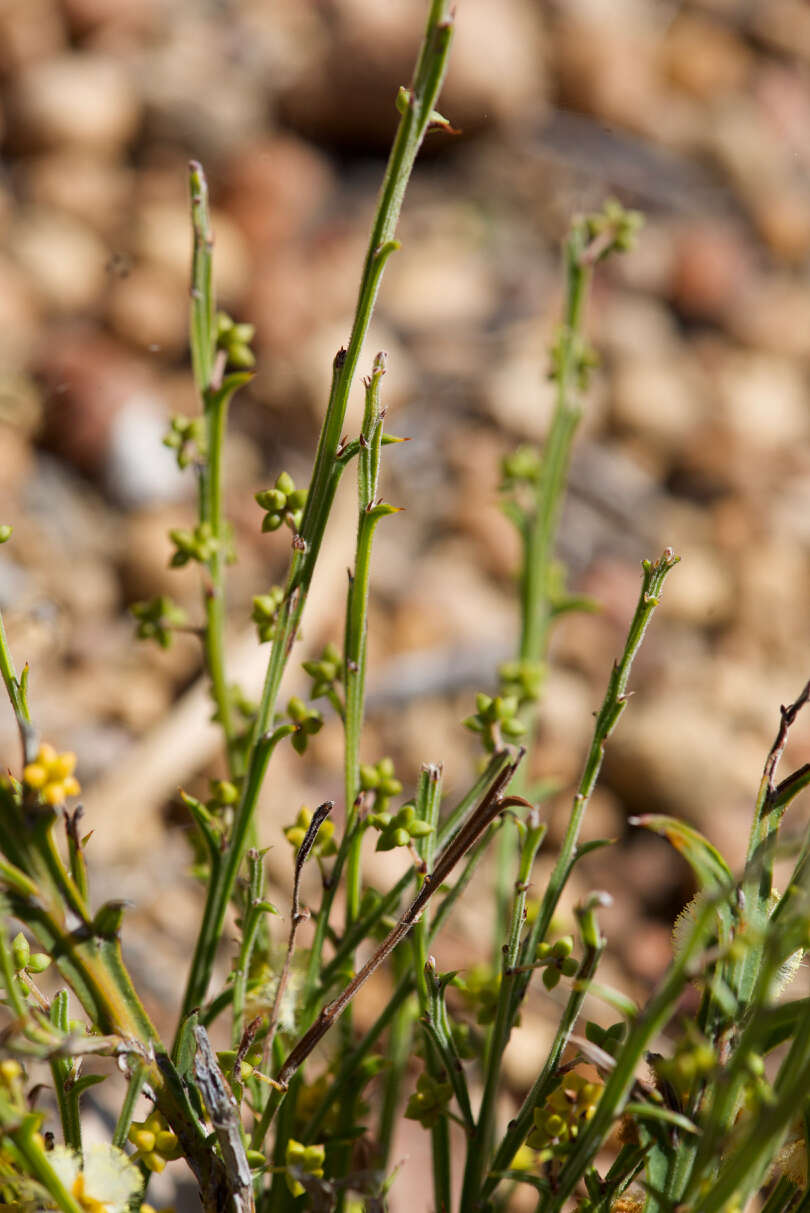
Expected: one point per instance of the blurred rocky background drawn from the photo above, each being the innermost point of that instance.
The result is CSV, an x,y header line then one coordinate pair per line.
x,y
696,431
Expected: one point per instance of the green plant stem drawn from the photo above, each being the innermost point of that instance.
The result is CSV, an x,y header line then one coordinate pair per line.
x,y
16,694
67,1100
215,409
654,575
618,1086
355,643
540,534
416,119
223,879
479,1144
428,799
398,1050
539,531
252,917
134,1087
547,1079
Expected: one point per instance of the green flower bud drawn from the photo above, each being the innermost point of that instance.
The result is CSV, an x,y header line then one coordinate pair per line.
x,y
5,533
38,962
369,777
551,977
21,952
285,483
243,332
271,499
513,728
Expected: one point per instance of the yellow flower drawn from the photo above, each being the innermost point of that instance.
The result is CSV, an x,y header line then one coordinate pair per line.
x,y
51,775
106,1183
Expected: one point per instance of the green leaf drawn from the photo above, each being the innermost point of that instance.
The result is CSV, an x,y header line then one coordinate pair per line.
x,y
230,384
86,1080
711,870
648,1111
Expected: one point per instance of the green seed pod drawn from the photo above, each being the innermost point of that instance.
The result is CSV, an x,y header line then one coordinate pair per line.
x,y
297,499
243,332
513,728
551,977
5,533
20,952
369,777
38,962
285,483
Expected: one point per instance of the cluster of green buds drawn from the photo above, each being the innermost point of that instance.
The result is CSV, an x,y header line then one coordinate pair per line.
x,y
235,340
480,988
607,1039
430,1100
26,961
557,960
694,1058
154,1142
325,671
568,346
158,619
522,466
265,612
308,722
522,680
566,1111
186,437
324,845
199,544
51,775
398,829
284,503
307,1160
380,783
615,227
495,720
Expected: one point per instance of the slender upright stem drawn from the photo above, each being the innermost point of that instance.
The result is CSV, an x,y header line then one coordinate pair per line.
x,y
613,705
215,408
417,108
479,1146
539,530
354,650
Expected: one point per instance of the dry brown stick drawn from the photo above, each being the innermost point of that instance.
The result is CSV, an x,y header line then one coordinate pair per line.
x,y
492,803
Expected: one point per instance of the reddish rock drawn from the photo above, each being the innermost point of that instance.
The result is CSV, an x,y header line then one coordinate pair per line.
x,y
87,377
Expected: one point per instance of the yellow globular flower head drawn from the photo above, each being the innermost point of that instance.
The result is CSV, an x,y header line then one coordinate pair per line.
x,y
51,775
107,1181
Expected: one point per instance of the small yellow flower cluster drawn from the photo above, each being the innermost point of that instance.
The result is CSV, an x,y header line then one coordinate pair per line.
x,y
558,1122
155,1142
306,1160
51,775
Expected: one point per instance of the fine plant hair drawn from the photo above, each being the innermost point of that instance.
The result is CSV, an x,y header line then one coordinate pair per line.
x,y
301,1110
